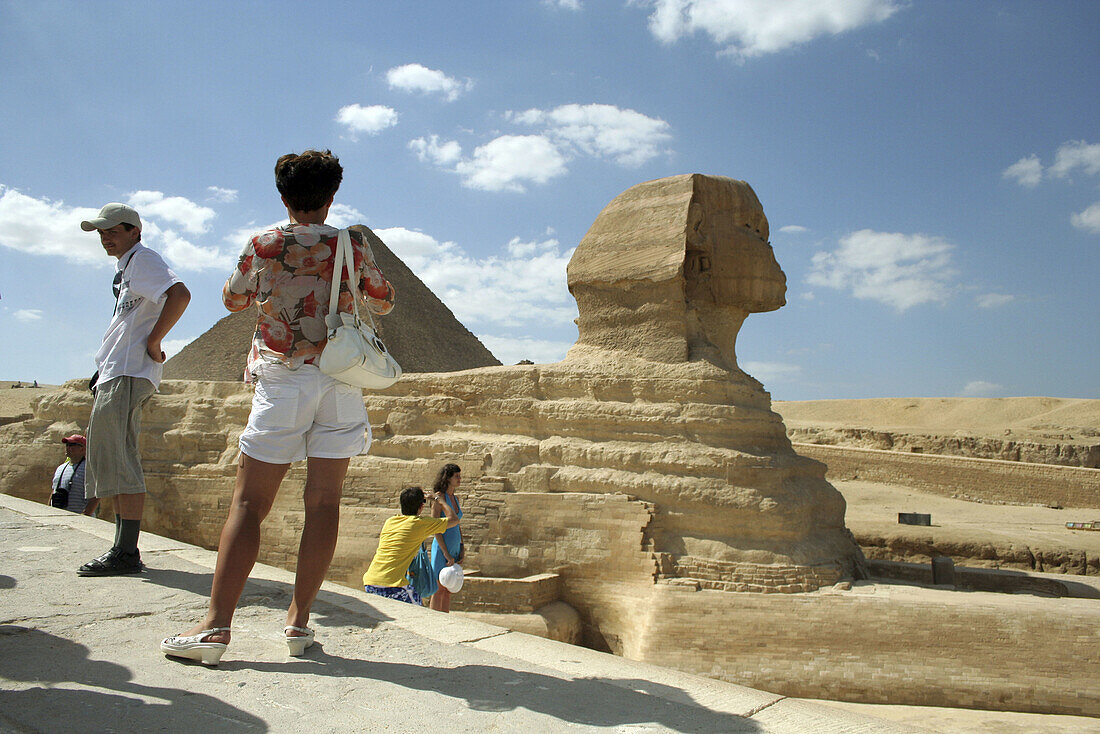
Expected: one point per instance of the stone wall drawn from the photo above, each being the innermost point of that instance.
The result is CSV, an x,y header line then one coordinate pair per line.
x,y
983,480
889,645
1026,450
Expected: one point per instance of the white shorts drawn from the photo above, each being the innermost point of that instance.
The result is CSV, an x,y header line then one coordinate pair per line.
x,y
304,413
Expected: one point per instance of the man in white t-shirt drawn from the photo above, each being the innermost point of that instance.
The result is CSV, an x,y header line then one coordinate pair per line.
x,y
149,300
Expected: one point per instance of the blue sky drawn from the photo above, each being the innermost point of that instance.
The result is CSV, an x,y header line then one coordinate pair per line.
x,y
930,171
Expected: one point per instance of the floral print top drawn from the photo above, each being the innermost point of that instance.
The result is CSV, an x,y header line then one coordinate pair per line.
x,y
287,273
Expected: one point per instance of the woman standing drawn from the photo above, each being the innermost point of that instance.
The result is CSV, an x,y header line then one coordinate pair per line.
x,y
298,412
447,547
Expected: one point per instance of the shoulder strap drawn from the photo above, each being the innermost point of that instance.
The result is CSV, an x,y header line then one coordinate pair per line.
x,y
344,257
337,270
72,476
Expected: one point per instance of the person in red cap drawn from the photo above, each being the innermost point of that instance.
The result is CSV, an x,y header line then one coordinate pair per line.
x,y
68,479
149,300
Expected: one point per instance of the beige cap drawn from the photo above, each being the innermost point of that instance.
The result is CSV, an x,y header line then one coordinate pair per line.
x,y
111,215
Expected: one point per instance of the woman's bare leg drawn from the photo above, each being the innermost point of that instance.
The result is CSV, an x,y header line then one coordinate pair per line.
x,y
441,600
324,486
257,484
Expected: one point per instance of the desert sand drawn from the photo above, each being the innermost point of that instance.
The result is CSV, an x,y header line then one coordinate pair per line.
x,y
1048,418
15,402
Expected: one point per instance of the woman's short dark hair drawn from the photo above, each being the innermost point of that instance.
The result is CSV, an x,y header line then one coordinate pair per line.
x,y
307,180
412,499
443,478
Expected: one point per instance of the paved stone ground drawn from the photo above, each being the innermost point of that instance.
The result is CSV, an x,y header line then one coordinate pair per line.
x,y
80,654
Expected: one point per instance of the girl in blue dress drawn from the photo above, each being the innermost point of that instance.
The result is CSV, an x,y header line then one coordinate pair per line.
x,y
447,547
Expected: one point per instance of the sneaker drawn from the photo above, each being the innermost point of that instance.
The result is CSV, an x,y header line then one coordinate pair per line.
x,y
113,563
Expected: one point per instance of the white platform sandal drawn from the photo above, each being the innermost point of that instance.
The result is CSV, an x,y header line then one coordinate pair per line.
x,y
298,643
194,647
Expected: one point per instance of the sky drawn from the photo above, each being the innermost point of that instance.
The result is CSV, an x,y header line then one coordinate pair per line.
x,y
930,170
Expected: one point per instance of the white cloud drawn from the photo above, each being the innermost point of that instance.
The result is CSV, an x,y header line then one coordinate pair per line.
x,y
1076,154
507,162
193,217
417,78
793,229
238,238
523,286
747,28
225,196
605,131
564,4
1027,171
28,315
182,254
981,389
511,350
994,300
368,120
1088,220
172,347
896,269
342,215
45,227
1070,156
430,150
767,372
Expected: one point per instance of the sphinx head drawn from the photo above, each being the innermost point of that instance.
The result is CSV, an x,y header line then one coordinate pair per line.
x,y
671,268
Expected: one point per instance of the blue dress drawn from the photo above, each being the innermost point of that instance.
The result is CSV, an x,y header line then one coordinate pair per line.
x,y
452,537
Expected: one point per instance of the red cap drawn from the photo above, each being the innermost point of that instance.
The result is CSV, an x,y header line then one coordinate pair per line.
x,y
77,439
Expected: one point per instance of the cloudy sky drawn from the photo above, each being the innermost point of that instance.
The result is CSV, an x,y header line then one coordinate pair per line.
x,y
930,170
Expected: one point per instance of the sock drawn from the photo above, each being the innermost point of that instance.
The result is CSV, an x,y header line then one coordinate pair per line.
x,y
128,535
118,528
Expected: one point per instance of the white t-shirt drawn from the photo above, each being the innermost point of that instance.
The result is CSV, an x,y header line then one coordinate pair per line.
x,y
145,278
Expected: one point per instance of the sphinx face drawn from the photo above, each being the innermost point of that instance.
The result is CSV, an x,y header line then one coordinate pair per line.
x,y
671,267
730,269
728,262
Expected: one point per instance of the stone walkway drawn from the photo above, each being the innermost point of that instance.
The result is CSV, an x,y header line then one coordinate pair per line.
x,y
80,654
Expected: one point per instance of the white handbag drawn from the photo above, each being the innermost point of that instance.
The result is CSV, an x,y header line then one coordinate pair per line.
x,y
354,354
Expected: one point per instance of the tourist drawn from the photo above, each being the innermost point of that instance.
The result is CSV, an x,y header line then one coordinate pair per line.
x,y
399,541
67,488
447,548
149,300
298,412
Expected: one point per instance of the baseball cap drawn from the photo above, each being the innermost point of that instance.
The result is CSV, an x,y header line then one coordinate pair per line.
x,y
111,215
75,438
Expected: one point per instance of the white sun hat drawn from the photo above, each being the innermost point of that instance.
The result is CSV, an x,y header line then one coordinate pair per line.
x,y
450,578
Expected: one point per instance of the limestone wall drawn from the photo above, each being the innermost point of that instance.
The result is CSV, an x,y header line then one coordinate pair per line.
x,y
881,644
978,447
987,480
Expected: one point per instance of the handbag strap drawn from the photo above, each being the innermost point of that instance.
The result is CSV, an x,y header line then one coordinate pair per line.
x,y
345,258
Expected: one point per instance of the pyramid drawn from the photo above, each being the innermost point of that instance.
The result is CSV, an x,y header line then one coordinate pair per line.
x,y
421,332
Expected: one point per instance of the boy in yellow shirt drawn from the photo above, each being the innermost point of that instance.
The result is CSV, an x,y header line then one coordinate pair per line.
x,y
398,543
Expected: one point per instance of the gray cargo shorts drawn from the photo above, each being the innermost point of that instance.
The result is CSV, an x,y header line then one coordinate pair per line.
x,y
114,460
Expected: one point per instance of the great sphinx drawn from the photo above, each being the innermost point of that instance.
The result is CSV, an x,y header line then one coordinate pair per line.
x,y
643,482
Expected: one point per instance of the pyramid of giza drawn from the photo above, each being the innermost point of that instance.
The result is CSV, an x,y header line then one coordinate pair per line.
x,y
421,332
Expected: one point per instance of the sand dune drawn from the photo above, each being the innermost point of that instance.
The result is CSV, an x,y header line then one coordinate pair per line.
x,y
1062,419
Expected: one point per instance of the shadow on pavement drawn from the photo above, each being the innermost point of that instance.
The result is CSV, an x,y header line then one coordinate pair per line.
x,y
50,664
604,702
265,593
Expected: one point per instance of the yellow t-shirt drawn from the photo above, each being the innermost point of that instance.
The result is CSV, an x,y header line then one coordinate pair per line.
x,y
400,540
